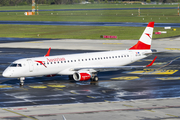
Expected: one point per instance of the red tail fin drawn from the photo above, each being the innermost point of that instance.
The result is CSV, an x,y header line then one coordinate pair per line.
x,y
145,39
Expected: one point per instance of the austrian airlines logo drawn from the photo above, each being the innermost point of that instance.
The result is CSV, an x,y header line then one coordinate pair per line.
x,y
41,62
148,35
50,60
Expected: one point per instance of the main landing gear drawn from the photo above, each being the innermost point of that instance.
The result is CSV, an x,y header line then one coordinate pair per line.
x,y
95,78
21,81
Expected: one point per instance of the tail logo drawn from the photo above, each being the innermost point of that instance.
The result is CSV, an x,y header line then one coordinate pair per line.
x,y
145,39
148,35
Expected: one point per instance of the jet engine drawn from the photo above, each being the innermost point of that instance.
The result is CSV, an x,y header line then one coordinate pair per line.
x,y
81,76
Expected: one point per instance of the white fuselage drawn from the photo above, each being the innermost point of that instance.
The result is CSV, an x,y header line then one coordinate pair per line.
x,y
63,64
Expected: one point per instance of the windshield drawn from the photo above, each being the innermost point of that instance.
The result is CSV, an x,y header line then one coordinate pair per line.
x,y
15,65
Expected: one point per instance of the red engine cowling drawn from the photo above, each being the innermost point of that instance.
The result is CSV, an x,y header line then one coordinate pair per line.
x,y
81,76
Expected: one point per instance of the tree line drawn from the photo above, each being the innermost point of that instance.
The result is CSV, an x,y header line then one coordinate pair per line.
x,y
29,2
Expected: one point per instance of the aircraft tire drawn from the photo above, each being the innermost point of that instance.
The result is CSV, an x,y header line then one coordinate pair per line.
x,y
96,78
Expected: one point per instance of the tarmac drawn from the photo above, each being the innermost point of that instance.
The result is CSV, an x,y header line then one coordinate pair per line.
x,y
143,109
163,44
150,109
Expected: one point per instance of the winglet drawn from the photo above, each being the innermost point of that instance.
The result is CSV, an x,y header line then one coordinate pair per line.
x,y
151,62
48,53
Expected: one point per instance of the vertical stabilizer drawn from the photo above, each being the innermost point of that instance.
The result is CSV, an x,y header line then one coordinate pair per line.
x,y
145,39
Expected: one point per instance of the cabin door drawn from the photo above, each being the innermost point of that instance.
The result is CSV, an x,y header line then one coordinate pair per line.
x,y
31,66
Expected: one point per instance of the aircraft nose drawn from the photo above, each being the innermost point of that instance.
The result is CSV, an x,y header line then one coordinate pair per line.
x,y
6,74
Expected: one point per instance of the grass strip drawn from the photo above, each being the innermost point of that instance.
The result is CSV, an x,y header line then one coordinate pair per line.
x,y
78,32
86,6
159,16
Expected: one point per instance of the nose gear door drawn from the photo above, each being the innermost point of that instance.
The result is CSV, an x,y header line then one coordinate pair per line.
x,y
31,66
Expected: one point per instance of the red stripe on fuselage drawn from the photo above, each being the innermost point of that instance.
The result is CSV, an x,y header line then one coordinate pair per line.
x,y
140,45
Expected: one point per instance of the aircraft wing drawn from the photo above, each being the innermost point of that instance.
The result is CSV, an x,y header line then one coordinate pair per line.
x,y
155,52
113,68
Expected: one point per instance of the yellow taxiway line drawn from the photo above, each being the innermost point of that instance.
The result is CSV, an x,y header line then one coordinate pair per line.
x,y
19,114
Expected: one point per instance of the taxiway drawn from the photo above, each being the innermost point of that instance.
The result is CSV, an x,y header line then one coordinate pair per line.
x,y
151,93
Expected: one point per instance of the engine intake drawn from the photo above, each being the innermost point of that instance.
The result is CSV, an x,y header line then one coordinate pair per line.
x,y
81,76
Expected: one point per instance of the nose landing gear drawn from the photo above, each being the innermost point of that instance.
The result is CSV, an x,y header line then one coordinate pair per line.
x,y
21,81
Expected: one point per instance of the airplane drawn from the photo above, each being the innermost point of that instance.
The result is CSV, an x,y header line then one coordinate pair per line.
x,y
84,66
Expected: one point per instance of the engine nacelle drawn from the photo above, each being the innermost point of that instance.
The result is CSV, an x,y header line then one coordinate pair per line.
x,y
81,76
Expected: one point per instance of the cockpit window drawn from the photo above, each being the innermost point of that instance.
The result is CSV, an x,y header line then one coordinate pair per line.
x,y
15,65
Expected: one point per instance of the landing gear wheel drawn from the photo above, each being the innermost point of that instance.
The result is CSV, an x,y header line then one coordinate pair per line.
x,y
96,78
21,81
